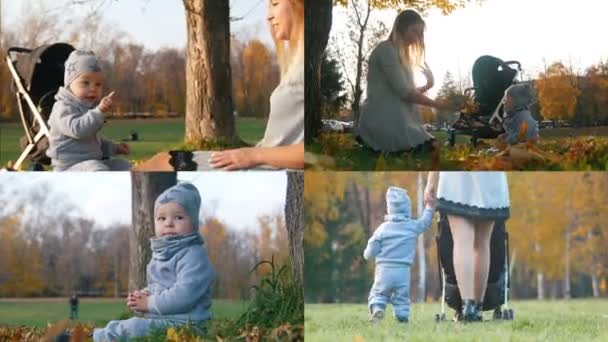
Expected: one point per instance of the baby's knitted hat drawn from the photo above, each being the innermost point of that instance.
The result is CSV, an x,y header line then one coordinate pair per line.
x,y
187,196
77,63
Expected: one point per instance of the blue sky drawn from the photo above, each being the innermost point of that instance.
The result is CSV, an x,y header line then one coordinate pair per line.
x,y
155,23
237,198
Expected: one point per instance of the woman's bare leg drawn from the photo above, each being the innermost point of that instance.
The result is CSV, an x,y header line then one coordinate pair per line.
x,y
463,234
481,257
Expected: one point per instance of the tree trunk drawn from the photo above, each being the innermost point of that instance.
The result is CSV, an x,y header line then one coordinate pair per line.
x,y
318,17
145,187
595,284
567,273
209,111
294,221
358,91
540,284
421,253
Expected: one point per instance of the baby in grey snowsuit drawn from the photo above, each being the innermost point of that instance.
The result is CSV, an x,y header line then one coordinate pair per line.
x,y
393,244
179,275
75,143
518,99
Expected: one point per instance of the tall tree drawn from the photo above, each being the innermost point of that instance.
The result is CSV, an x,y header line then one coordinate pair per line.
x,y
557,92
318,17
332,92
294,218
145,187
354,45
209,111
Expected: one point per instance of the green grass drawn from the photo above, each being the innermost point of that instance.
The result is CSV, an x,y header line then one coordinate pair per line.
x,y
570,143
40,312
574,320
156,135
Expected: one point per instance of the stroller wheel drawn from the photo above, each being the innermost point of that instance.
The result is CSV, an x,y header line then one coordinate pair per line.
x,y
497,314
511,315
505,315
439,317
474,140
35,167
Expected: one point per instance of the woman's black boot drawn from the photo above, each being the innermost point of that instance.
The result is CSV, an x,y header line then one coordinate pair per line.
x,y
469,312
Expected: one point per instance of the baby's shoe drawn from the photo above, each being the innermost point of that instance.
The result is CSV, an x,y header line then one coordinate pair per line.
x,y
402,319
377,315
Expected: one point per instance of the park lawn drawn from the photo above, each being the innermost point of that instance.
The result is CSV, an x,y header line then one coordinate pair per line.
x,y
97,311
574,149
573,320
156,135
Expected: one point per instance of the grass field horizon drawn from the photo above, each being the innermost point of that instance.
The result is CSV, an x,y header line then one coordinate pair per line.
x,y
547,320
156,135
39,312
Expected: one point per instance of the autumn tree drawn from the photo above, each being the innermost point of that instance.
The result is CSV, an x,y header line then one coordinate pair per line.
x,y
258,76
557,92
592,102
449,93
333,96
353,46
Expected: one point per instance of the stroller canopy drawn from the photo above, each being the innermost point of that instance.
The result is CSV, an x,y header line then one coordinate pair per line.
x,y
42,69
491,77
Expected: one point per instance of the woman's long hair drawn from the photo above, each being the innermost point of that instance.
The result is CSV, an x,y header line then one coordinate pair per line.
x,y
291,53
410,53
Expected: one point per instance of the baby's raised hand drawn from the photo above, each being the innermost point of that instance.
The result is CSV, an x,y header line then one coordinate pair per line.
x,y
106,102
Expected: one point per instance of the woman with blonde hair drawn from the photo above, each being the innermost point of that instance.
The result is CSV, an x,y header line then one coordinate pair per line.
x,y
283,142
390,119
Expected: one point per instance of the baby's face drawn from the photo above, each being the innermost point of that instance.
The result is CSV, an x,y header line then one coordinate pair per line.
x,y
88,86
172,219
508,102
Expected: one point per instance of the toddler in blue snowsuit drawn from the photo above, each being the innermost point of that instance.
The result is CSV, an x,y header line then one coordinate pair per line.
x,y
179,276
393,245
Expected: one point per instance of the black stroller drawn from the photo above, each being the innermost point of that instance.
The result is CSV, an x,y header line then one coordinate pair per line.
x,y
37,75
491,77
497,291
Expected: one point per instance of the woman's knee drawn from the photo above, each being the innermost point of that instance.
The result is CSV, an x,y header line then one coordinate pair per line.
x,y
483,233
462,229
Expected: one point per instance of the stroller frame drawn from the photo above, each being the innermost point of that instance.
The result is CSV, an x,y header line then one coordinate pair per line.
x,y
21,94
495,116
499,314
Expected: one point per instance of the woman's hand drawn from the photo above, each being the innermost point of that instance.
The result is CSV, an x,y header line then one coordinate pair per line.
x,y
428,74
429,195
240,158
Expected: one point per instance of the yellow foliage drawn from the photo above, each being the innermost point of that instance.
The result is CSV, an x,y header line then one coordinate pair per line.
x,y
557,93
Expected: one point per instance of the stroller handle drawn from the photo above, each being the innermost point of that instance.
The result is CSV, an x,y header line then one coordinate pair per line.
x,y
508,63
19,49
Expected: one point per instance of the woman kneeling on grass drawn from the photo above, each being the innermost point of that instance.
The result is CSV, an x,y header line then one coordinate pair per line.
x,y
390,119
